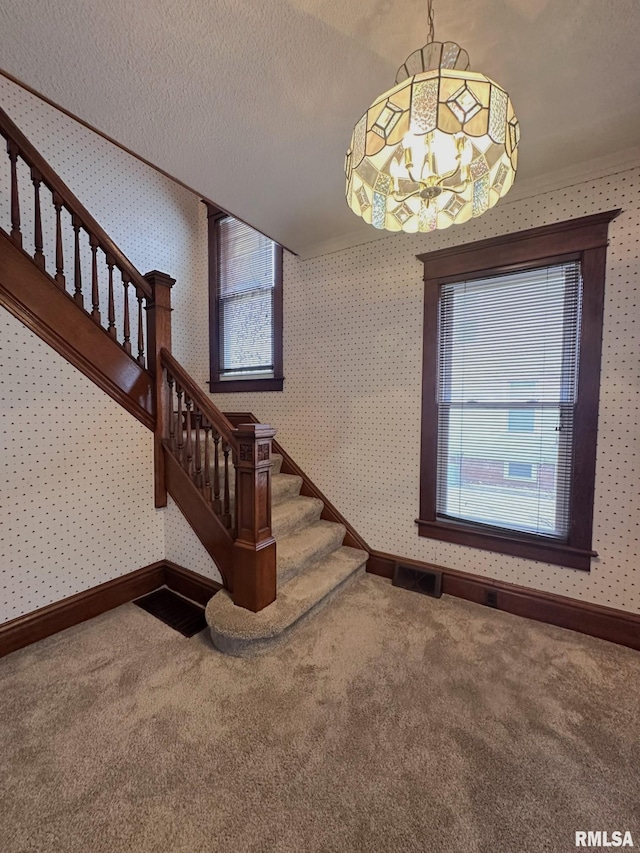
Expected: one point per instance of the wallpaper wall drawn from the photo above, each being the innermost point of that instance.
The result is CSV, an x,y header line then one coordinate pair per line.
x,y
350,410
77,486
77,479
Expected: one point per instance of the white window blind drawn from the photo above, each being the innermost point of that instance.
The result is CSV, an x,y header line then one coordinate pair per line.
x,y
507,383
246,279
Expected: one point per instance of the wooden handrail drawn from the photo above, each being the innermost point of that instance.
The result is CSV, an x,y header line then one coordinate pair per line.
x,y
198,439
200,399
46,174
219,475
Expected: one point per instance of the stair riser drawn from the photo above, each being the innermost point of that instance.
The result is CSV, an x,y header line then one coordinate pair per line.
x,y
291,566
282,489
287,525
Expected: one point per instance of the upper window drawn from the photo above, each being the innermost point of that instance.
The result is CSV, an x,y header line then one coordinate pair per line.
x,y
245,288
511,363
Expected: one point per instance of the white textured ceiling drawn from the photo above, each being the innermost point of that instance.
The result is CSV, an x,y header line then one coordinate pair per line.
x,y
252,102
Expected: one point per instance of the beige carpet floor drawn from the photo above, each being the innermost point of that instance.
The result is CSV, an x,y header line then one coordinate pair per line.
x,y
389,722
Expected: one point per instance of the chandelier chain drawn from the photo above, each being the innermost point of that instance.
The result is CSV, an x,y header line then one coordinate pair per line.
x,y
431,35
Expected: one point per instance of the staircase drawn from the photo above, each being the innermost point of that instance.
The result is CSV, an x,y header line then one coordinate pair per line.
x,y
281,548
312,565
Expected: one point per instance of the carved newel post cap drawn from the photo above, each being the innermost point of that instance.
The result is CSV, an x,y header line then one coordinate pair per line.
x,y
161,278
254,444
259,430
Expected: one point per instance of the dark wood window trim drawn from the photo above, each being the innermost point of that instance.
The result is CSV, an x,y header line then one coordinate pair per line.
x,y
585,238
275,383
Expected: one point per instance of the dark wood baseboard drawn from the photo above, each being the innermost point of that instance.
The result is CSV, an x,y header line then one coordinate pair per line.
x,y
617,626
190,584
78,608
92,602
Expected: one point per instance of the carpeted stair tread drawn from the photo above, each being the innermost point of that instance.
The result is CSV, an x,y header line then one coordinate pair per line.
x,y
284,486
294,513
239,632
301,549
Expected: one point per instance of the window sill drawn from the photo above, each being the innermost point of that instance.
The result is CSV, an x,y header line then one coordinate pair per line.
x,y
525,547
246,385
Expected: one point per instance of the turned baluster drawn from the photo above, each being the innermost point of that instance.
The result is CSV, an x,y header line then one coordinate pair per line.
x,y
38,257
60,279
16,234
217,504
111,328
140,358
189,440
95,296
179,424
170,419
77,269
127,329
198,451
226,510
206,488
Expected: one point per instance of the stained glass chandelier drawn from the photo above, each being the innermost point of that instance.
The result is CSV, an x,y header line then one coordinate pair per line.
x,y
440,147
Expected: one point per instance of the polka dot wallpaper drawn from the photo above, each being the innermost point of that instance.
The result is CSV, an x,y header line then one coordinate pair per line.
x,y
350,410
182,546
76,494
76,483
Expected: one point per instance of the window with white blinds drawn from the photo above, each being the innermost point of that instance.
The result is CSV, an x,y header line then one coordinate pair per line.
x,y
506,399
245,297
510,385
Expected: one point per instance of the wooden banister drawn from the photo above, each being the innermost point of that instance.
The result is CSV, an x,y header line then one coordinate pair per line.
x,y
91,255
199,398
196,434
218,475
19,145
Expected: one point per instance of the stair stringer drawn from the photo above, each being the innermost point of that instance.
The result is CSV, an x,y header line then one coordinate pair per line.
x,y
204,522
31,295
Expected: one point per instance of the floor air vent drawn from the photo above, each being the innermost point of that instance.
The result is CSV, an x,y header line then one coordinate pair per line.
x,y
174,611
426,581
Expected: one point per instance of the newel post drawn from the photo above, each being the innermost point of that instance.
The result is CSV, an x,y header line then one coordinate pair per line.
x,y
159,336
254,550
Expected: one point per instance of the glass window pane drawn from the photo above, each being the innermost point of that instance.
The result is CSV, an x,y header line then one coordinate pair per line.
x,y
247,332
507,375
246,281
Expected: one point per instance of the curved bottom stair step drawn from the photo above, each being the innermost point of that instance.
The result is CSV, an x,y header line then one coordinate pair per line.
x,y
241,633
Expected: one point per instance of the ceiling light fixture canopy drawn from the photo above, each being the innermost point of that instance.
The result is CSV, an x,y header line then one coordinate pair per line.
x,y
440,147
